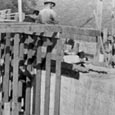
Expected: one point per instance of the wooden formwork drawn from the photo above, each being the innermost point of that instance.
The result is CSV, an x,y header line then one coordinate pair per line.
x,y
21,53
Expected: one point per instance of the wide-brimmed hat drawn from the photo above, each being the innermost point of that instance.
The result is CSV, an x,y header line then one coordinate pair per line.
x,y
49,1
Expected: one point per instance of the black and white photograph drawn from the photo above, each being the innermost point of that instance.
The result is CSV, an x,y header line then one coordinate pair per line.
x,y
57,57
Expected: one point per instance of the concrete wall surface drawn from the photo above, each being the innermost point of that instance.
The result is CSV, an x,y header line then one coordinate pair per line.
x,y
90,95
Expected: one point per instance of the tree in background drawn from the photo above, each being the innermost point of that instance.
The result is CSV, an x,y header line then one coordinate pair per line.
x,y
28,5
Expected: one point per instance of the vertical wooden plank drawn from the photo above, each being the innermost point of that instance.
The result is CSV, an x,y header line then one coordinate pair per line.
x,y
38,80
98,19
0,53
113,17
6,109
21,58
28,82
58,78
105,40
2,62
15,109
99,27
20,10
0,80
105,35
11,70
47,81
99,12
6,76
76,48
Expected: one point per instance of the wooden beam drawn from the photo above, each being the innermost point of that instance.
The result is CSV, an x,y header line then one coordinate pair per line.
x,y
66,30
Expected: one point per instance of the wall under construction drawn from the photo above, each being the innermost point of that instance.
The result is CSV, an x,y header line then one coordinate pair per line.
x,y
45,93
92,94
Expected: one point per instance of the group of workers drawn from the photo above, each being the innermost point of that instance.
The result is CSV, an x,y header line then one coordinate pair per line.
x,y
48,16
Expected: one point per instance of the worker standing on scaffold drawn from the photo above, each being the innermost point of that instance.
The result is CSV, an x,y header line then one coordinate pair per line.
x,y
47,15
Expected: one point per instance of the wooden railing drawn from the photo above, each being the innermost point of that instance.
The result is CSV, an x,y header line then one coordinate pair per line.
x,y
21,52
7,16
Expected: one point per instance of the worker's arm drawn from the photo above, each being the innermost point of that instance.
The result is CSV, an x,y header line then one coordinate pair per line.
x,y
53,18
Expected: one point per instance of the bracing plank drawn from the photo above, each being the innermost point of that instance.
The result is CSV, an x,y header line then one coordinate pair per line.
x,y
58,78
15,109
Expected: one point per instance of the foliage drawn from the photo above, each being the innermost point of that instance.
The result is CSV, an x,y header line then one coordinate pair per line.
x,y
28,5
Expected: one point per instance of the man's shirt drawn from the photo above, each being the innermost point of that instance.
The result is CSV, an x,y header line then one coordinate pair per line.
x,y
47,16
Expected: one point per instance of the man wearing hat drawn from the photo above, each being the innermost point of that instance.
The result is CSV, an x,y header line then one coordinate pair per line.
x,y
47,15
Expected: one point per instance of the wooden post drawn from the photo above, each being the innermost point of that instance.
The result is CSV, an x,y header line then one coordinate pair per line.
x,y
15,109
105,40
58,78
6,109
47,81
76,48
105,35
98,19
0,80
11,70
0,53
6,76
7,62
38,80
21,57
20,10
28,81
113,17
2,47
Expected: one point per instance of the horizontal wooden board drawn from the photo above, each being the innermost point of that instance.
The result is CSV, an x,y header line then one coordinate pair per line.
x,y
31,27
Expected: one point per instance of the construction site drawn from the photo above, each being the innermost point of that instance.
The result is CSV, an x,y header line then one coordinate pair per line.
x,y
57,69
